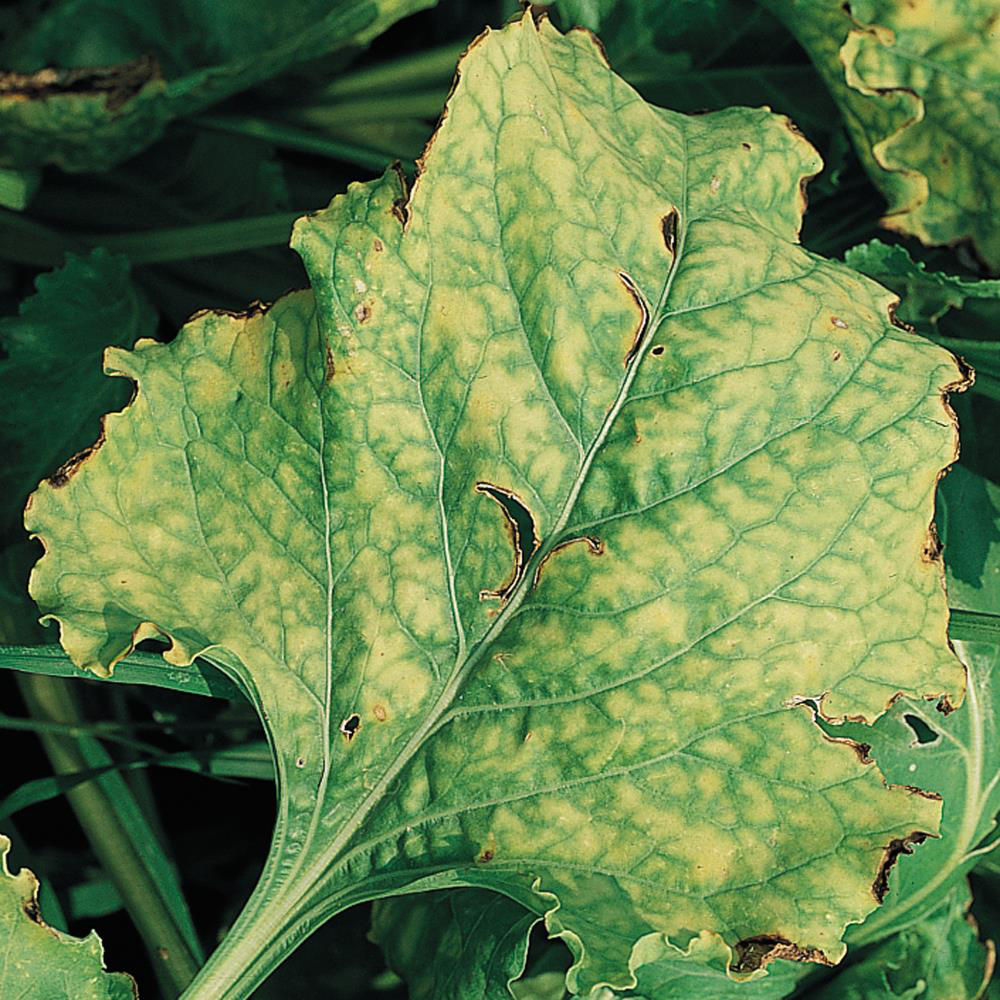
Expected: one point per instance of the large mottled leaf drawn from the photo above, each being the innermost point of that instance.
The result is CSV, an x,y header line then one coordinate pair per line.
x,y
919,86
50,379
956,756
93,81
529,525
939,957
41,963
460,944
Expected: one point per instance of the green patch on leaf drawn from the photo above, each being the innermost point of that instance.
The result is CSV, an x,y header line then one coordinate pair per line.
x,y
528,527
39,961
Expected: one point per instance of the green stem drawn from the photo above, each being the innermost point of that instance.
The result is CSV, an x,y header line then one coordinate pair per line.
x,y
190,242
974,626
379,107
24,241
398,75
303,140
171,945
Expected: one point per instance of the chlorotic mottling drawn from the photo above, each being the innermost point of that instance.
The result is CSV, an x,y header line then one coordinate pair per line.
x,y
918,82
95,82
727,453
39,961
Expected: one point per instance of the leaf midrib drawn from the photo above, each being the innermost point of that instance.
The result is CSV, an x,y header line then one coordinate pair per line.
x,y
308,877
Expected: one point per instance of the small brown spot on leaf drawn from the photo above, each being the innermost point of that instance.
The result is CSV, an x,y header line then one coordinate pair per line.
x,y
714,184
836,355
163,954
362,312
350,726
931,551
379,245
900,845
746,145
838,322
331,368
896,321
658,350
379,712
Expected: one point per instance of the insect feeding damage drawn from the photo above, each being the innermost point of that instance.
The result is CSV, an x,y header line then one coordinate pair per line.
x,y
523,536
758,952
594,546
350,726
640,332
668,226
895,847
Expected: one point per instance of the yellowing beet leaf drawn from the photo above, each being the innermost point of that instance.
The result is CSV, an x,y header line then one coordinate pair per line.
x,y
528,527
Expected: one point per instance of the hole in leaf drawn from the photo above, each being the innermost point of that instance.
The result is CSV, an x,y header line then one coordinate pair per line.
x,y
350,726
523,536
921,730
658,350
668,226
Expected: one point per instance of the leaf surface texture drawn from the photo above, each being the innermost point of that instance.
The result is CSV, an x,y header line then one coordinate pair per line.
x,y
526,526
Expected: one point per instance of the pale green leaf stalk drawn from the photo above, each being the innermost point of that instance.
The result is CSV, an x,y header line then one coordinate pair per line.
x,y
39,961
529,525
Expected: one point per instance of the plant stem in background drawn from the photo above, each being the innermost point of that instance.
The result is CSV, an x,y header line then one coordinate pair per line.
x,y
398,75
121,838
303,140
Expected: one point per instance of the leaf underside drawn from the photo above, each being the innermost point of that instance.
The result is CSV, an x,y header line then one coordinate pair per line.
x,y
528,524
